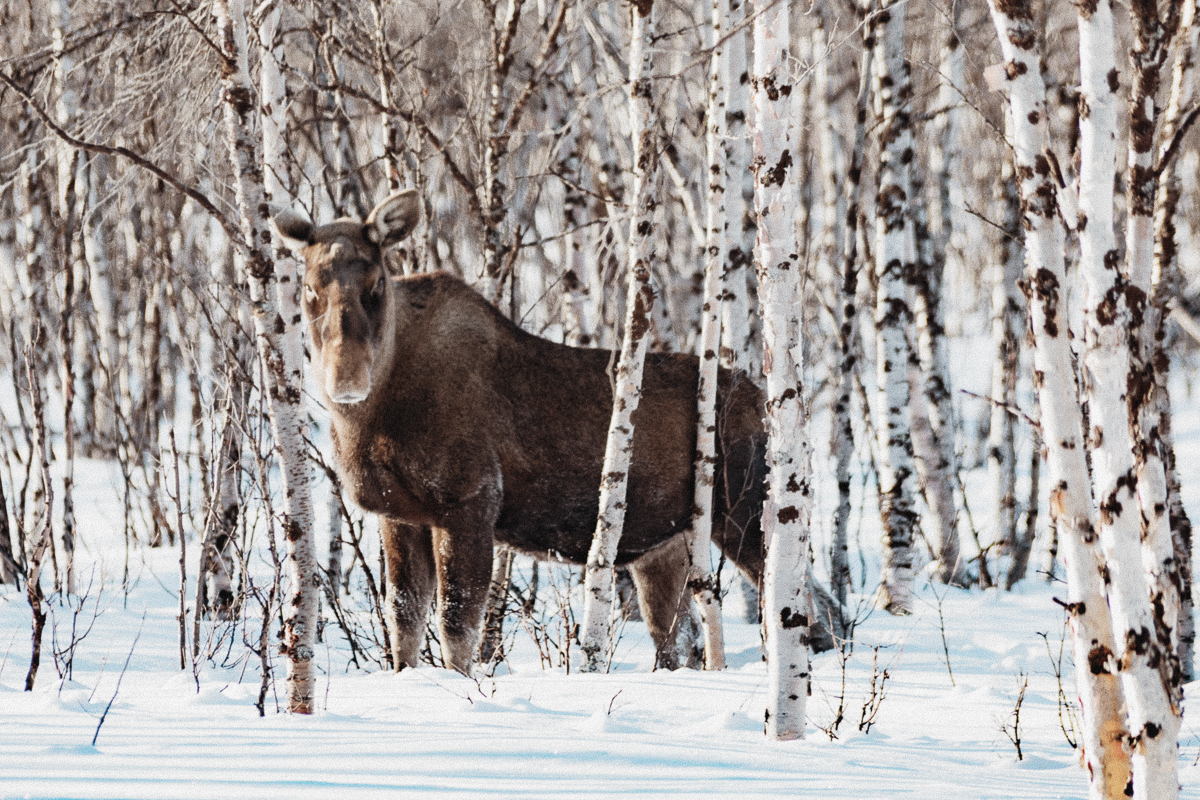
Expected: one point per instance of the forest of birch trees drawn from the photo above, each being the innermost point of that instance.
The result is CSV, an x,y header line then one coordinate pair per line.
x,y
832,196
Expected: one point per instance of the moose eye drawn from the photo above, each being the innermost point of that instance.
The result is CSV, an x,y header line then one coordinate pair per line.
x,y
377,289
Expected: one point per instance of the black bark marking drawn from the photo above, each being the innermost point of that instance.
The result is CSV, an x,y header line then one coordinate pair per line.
x,y
789,619
777,174
1099,658
1046,286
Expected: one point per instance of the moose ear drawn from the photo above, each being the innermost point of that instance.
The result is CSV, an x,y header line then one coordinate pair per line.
x,y
394,218
295,231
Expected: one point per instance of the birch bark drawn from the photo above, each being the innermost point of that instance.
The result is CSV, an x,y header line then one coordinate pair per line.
x,y
1006,325
68,168
827,151
932,420
846,313
1165,280
738,347
1144,603
279,331
276,324
103,300
491,645
701,580
893,91
932,348
1100,694
43,541
495,148
384,146
787,597
598,581
587,294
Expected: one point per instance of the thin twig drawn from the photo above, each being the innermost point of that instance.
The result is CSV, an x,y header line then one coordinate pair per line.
x,y
1011,409
120,677
1171,148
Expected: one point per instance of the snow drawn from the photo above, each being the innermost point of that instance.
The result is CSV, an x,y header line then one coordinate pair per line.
x,y
530,732
534,733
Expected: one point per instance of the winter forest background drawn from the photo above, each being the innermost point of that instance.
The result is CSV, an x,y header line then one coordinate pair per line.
x,y
958,235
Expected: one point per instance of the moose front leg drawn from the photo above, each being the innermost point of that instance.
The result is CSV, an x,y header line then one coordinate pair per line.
x,y
410,585
463,552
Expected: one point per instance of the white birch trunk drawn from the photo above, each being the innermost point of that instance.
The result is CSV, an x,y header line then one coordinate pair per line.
x,y
787,598
67,158
599,574
701,580
932,416
384,144
280,338
893,90
832,201
333,568
492,283
1100,694
104,302
1006,324
575,312
1164,281
846,314
276,327
1146,603
491,645
1007,328
588,295
931,340
738,347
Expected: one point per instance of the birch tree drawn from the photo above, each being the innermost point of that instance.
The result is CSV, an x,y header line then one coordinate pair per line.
x,y
1114,312
738,348
893,91
67,161
1165,280
846,315
702,582
614,481
787,598
1006,326
942,461
1100,694
276,331
1147,395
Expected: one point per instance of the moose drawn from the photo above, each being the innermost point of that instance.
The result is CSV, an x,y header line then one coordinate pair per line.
x,y
461,431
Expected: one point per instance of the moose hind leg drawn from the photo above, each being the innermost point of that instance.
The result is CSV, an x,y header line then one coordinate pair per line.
x,y
464,564
410,585
666,603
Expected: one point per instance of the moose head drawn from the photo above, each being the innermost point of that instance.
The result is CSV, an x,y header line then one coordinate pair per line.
x,y
346,289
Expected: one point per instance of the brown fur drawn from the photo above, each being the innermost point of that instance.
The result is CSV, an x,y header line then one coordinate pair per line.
x,y
475,432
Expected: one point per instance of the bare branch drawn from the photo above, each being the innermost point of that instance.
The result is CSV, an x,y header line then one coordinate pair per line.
x,y
550,46
199,197
1171,148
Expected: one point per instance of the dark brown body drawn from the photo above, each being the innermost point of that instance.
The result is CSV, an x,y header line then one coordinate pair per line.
x,y
472,404
461,430
479,429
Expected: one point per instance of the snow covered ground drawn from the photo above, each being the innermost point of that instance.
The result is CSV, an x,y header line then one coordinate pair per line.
x,y
937,732
544,734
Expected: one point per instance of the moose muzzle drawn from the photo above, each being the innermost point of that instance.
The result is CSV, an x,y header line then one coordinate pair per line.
x,y
348,372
